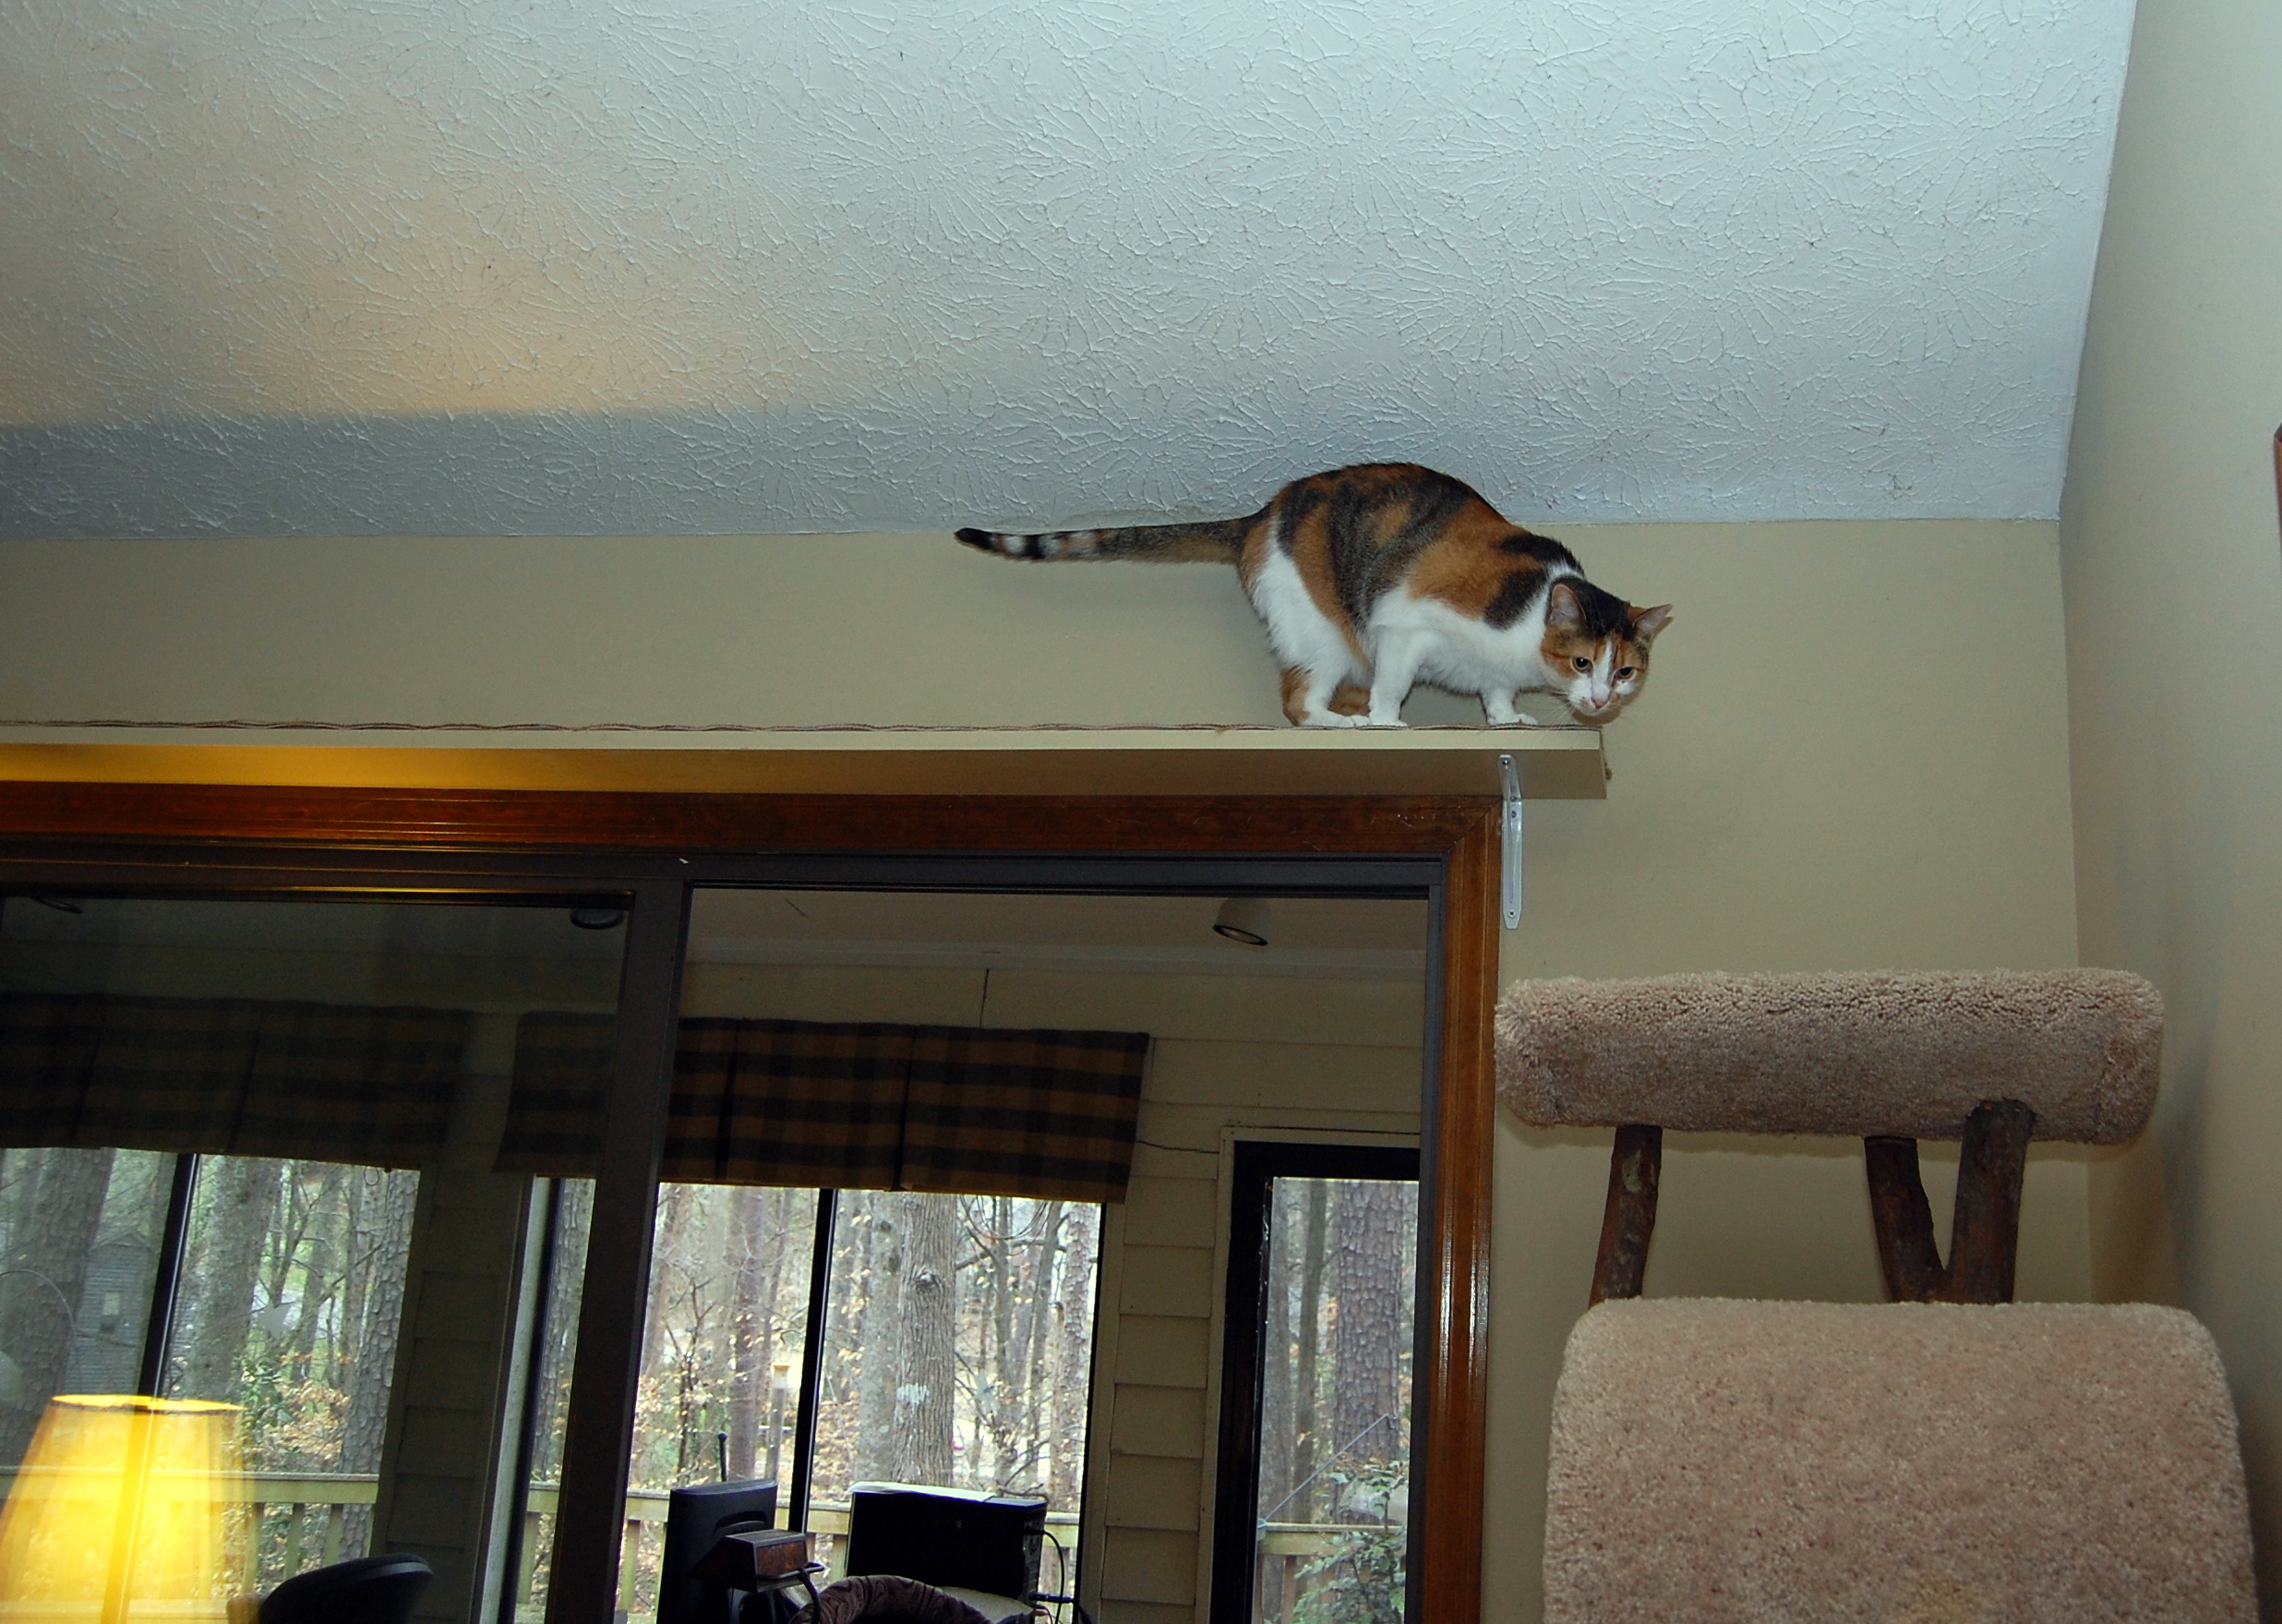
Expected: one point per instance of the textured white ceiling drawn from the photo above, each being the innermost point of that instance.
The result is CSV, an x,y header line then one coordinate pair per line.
x,y
626,266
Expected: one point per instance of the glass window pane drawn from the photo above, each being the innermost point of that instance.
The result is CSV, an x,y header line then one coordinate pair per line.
x,y
79,1234
721,1355
958,1352
1335,1400
359,1165
291,1294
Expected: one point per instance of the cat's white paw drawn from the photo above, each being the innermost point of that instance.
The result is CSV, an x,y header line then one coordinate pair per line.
x,y
1333,719
1380,722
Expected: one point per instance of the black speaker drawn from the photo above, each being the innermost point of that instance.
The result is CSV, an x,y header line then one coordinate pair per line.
x,y
947,1536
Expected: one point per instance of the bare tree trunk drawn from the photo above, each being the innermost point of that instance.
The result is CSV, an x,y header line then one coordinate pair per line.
x,y
357,1199
61,1214
772,1341
879,1338
751,1322
673,1218
366,1420
1276,1421
297,1219
237,1221
1307,1357
1000,1361
1073,1357
1034,1465
926,1389
1367,1337
328,1251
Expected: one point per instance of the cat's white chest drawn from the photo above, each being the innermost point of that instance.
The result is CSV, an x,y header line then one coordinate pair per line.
x,y
1458,651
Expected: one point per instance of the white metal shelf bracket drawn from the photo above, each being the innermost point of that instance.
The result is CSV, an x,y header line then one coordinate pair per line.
x,y
1510,775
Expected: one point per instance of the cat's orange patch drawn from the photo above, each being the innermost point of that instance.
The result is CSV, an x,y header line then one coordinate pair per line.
x,y
1347,700
1469,566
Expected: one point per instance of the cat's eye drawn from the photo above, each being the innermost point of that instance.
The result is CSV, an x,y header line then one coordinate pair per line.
x,y
1582,663
1626,671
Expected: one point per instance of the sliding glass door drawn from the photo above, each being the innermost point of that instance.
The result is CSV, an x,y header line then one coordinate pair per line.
x,y
625,1317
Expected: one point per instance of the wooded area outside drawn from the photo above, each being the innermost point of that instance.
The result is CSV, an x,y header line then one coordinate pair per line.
x,y
959,1339
292,1293
958,1346
723,1339
79,1244
1335,1400
288,1304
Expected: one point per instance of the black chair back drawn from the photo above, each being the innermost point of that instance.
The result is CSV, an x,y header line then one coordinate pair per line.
x,y
370,1590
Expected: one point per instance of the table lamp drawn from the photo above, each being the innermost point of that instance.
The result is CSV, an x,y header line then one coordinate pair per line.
x,y
123,1501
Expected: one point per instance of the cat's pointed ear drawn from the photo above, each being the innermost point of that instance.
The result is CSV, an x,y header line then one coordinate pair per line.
x,y
1562,606
1646,623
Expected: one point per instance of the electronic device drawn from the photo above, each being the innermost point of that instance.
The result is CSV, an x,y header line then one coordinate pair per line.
x,y
951,1538
696,1518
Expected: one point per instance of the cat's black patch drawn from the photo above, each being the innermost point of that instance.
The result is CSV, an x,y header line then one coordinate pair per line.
x,y
1363,569
1515,594
975,538
1603,613
1523,544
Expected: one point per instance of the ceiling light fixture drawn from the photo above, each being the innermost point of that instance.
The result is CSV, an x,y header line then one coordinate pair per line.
x,y
1245,919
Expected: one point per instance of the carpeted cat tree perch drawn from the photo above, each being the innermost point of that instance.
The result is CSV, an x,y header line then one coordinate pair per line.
x,y
1948,1457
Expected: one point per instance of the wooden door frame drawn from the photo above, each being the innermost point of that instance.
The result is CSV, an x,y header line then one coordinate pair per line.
x,y
654,846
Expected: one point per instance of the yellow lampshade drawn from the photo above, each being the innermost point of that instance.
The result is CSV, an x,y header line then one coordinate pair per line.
x,y
122,1504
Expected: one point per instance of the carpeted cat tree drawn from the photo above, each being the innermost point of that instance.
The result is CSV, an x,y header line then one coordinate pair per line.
x,y
1948,1458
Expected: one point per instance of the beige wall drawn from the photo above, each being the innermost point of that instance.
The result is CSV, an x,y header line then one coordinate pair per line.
x,y
776,629
2174,599
1853,752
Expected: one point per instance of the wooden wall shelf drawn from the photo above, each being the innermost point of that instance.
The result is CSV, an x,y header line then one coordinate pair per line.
x,y
1560,763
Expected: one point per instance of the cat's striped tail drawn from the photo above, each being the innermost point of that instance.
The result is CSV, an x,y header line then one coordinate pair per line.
x,y
1217,542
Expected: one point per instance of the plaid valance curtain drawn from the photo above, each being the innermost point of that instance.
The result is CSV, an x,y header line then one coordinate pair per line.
x,y
242,1077
847,1105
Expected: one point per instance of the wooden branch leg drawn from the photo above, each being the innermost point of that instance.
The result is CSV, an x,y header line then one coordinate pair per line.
x,y
1629,1219
1903,1218
1985,1232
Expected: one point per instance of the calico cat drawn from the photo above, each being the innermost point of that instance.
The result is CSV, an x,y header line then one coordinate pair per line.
x,y
1373,578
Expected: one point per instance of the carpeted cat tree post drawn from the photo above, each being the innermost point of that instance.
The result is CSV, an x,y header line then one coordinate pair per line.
x,y
1949,1457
